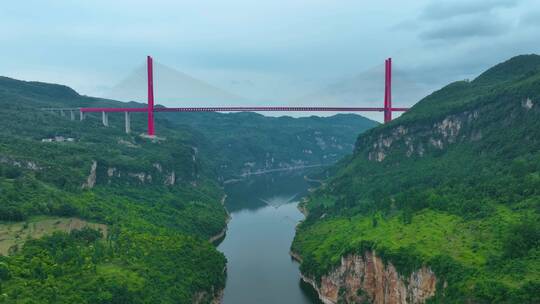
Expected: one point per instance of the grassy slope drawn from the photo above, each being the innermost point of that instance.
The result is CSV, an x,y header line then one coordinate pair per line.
x,y
469,210
17,233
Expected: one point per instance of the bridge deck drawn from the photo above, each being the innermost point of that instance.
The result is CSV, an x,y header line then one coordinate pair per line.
x,y
246,109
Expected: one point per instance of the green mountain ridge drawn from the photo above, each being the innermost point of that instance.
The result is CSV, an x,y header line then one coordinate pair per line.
x,y
453,185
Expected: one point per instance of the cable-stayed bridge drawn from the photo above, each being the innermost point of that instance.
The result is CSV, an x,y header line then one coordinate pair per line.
x,y
387,109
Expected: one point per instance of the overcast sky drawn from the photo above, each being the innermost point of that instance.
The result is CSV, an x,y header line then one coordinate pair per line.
x,y
262,49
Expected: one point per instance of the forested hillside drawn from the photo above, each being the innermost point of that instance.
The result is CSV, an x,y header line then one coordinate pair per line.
x,y
448,193
158,199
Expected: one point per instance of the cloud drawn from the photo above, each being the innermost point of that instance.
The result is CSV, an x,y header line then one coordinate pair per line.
x,y
439,10
406,25
531,18
461,29
467,60
457,21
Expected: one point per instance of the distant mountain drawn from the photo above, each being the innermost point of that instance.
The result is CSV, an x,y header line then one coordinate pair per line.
x,y
249,142
442,205
172,88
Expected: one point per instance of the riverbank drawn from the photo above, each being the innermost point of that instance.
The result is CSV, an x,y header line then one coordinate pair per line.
x,y
298,258
216,240
221,235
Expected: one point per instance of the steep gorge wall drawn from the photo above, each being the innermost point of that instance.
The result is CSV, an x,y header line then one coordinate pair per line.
x,y
367,279
107,175
467,126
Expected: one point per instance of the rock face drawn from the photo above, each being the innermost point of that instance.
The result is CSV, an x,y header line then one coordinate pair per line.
x,y
418,139
366,279
27,164
91,179
101,174
205,297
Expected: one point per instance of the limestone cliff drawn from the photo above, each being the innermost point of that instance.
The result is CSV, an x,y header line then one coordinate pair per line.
x,y
91,179
367,279
205,297
105,174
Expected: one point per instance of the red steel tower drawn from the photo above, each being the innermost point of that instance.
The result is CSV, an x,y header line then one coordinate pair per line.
x,y
388,91
151,131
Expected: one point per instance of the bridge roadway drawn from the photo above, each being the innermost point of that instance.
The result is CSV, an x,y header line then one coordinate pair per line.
x,y
245,109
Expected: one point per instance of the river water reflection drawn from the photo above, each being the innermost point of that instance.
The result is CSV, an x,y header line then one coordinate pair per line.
x,y
263,218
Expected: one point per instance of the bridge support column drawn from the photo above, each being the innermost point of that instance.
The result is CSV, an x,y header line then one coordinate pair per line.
x,y
128,122
105,118
81,115
62,113
72,114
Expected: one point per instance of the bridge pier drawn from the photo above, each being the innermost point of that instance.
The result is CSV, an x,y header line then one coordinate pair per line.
x,y
72,114
128,122
62,113
81,115
105,118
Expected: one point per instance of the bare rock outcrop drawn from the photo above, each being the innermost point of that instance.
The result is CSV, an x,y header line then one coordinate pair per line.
x,y
170,179
438,136
361,279
91,179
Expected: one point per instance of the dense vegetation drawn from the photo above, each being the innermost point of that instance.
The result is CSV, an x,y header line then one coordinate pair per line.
x,y
453,184
160,199
156,248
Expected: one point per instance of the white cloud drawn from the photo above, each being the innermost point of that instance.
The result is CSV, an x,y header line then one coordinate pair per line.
x,y
445,9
